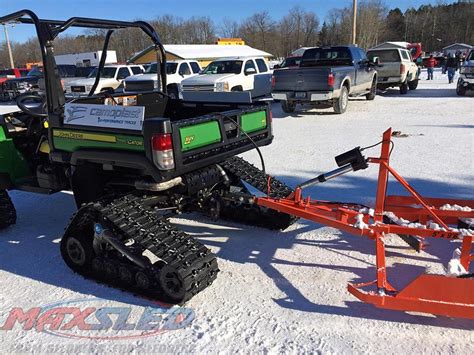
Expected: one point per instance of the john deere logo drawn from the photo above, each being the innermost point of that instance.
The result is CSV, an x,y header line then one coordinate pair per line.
x,y
188,140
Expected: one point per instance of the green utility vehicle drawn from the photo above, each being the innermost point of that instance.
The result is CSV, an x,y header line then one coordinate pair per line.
x,y
133,160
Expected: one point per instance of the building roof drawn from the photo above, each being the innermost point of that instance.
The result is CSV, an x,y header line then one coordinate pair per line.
x,y
462,45
206,51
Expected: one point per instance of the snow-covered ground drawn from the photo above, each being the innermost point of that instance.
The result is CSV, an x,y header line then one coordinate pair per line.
x,y
279,291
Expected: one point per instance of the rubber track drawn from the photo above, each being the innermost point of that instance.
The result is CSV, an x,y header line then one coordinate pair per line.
x,y
7,210
142,228
252,214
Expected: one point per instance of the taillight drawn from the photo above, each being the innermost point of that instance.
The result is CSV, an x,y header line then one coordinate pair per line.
x,y
273,81
403,69
330,79
162,149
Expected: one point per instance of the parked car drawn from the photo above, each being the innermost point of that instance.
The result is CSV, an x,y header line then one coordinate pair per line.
x,y
111,79
232,74
327,76
289,62
68,74
397,68
176,72
6,74
17,86
466,75
33,82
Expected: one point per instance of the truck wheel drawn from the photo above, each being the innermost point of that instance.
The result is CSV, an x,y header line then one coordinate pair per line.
x,y
413,84
404,88
7,210
373,91
288,107
460,90
340,104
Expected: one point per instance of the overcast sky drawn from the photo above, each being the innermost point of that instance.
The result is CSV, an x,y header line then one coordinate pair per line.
x,y
148,9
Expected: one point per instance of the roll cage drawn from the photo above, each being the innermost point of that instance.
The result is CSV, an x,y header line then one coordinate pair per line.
x,y
48,30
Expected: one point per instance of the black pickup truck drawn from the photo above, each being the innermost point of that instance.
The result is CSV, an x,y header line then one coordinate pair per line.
x,y
325,77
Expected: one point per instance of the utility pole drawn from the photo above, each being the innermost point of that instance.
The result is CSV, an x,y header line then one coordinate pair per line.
x,y
10,54
354,21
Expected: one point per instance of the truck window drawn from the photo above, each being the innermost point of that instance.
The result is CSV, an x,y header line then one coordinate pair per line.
x,y
106,73
326,56
262,66
67,71
123,73
224,67
362,54
195,67
136,70
405,55
184,69
389,55
249,64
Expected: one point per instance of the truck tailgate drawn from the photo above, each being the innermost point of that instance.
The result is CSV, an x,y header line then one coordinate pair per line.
x,y
389,69
301,79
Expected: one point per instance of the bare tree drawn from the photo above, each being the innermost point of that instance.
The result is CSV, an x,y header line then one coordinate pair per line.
x,y
229,28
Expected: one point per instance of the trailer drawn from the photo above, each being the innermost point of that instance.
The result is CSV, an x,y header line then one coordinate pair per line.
x,y
86,59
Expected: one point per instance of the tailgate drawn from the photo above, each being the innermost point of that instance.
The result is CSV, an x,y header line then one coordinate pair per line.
x,y
301,79
388,69
212,138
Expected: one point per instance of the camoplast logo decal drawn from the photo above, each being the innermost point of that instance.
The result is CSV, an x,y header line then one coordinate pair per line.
x,y
75,112
105,116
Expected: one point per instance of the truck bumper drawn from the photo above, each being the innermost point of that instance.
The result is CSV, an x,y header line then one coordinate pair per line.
x,y
466,82
303,96
390,80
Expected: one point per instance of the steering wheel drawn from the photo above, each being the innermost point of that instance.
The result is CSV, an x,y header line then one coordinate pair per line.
x,y
32,104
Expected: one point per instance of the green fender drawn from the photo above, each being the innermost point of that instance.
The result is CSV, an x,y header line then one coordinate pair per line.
x,y
12,162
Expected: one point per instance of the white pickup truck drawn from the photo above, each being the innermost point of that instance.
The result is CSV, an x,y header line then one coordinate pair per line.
x,y
111,79
176,72
396,68
232,74
466,75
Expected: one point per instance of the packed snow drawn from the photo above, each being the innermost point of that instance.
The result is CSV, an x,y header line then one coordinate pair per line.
x,y
280,292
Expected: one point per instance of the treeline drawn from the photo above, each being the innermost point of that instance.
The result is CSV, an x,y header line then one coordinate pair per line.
x,y
435,26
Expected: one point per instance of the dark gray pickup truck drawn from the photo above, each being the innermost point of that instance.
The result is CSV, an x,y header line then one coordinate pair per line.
x,y
326,77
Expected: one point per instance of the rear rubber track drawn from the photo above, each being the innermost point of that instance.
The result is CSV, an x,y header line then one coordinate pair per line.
x,y
239,170
179,267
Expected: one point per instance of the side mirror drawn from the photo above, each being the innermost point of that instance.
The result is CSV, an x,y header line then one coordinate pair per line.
x,y
276,66
250,71
376,61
